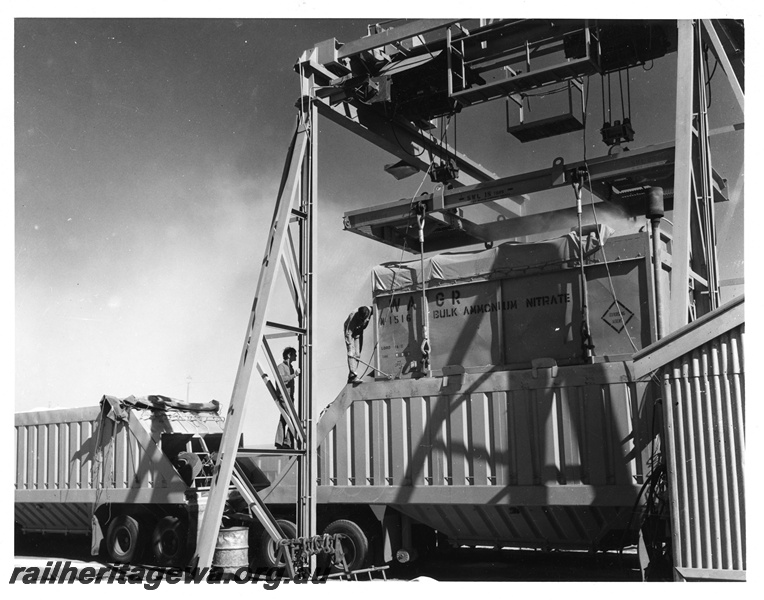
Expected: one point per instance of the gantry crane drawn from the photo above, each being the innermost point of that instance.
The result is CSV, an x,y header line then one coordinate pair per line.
x,y
388,87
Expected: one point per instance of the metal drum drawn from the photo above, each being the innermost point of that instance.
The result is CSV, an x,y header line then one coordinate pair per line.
x,y
232,549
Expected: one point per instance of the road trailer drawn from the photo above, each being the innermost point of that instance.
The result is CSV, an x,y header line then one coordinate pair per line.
x,y
133,473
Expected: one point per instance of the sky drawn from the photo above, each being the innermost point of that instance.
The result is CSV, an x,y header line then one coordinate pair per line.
x,y
147,158
144,157
147,161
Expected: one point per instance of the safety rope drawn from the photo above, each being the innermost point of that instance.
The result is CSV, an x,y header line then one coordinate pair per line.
x,y
607,266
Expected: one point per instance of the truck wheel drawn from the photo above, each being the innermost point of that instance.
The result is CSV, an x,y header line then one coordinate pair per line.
x,y
355,545
268,551
124,539
169,542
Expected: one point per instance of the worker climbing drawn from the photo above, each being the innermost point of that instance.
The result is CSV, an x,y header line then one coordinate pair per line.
x,y
288,373
354,327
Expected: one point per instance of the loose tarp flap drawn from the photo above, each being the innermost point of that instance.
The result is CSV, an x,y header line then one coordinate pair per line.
x,y
158,402
211,406
164,416
592,235
499,261
114,408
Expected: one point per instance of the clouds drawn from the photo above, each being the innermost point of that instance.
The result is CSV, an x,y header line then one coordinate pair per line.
x,y
134,298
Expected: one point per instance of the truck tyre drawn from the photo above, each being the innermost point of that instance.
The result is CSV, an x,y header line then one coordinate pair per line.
x,y
267,550
124,541
169,542
355,545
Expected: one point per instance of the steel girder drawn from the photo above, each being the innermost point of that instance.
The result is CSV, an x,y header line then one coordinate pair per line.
x,y
295,210
695,278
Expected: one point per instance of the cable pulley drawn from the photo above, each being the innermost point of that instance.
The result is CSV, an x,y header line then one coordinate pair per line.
x,y
620,130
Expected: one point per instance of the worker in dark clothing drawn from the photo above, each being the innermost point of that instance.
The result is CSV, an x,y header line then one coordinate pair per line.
x,y
354,326
284,433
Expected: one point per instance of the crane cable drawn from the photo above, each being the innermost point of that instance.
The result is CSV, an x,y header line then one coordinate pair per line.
x,y
419,210
587,344
425,347
594,210
412,208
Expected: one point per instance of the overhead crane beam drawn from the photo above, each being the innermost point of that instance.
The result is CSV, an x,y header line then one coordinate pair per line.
x,y
483,48
611,178
394,35
401,139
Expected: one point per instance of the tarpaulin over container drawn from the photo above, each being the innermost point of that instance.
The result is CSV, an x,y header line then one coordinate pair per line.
x,y
479,318
161,414
506,260
159,402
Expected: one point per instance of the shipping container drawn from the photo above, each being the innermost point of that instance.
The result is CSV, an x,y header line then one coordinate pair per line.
x,y
506,306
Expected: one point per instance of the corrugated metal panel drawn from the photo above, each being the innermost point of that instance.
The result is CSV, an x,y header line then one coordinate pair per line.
x,y
547,527
70,457
54,455
517,458
557,436
704,412
70,517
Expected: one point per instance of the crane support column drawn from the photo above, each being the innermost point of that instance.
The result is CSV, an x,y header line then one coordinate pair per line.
x,y
290,205
307,464
694,278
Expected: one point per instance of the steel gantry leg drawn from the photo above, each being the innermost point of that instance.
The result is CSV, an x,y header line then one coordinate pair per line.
x,y
295,210
694,279
307,464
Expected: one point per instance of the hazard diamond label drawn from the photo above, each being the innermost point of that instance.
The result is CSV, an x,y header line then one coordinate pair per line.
x,y
617,316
